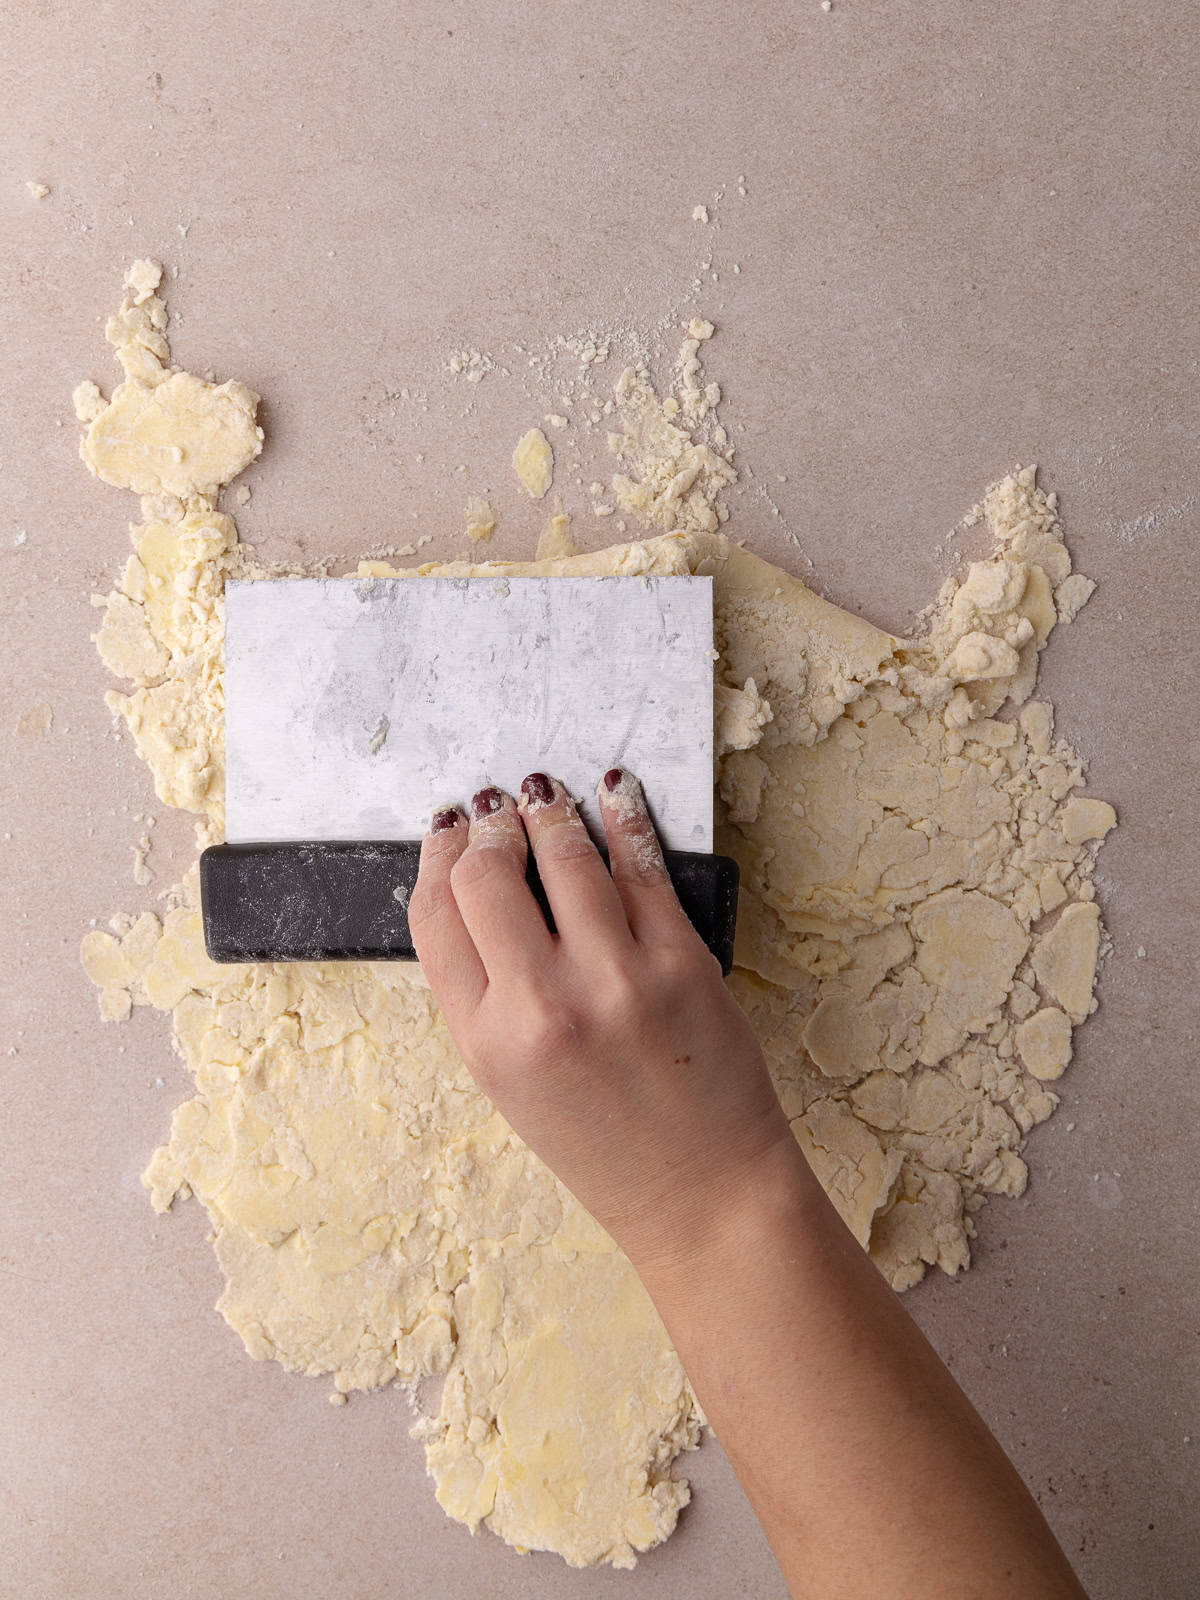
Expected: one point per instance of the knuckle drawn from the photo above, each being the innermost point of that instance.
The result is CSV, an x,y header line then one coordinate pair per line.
x,y
621,993
428,902
484,1064
552,1027
638,847
642,870
481,865
683,963
568,847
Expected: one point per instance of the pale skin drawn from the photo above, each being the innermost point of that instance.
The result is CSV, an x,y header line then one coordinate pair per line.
x,y
614,1049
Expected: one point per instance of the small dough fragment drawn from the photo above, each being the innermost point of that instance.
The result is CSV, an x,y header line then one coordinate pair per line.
x,y
1064,959
1072,595
127,643
969,946
88,401
555,542
841,1037
533,460
1084,819
481,520
181,437
979,655
1044,1041
741,716
992,586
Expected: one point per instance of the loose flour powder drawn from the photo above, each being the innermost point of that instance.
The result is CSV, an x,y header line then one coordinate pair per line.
x,y
917,940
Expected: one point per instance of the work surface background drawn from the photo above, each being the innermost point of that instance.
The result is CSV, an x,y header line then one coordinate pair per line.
x,y
968,238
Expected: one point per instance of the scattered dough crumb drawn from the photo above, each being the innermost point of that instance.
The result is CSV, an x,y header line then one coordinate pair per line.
x,y
700,214
481,520
1072,595
555,541
473,365
35,723
675,480
88,401
39,191
142,874
533,460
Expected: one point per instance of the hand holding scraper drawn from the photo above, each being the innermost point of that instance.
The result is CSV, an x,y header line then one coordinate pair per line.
x,y
355,706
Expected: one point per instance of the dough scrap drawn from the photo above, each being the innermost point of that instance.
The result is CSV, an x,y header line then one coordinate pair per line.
x,y
1044,1041
481,520
674,480
741,715
1087,819
555,539
164,432
1064,959
907,829
533,462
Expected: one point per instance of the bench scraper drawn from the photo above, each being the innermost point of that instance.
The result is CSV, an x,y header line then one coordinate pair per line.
x,y
355,706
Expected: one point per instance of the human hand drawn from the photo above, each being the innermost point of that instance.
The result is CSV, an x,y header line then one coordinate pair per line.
x,y
612,1046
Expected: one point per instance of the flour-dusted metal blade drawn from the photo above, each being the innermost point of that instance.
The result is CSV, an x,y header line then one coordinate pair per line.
x,y
353,706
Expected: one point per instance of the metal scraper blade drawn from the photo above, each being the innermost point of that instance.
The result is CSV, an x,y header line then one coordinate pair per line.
x,y
353,706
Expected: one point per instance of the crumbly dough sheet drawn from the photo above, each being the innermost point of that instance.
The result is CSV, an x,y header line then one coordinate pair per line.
x,y
917,940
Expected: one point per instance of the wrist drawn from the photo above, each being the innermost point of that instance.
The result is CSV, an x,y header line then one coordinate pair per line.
x,y
717,1226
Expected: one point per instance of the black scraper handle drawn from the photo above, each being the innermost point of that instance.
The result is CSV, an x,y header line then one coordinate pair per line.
x,y
349,902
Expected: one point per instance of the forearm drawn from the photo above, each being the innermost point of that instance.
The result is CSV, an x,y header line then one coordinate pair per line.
x,y
870,1471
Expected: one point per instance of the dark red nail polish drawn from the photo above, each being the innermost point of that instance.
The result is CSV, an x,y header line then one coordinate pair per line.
x,y
486,803
446,817
538,789
612,778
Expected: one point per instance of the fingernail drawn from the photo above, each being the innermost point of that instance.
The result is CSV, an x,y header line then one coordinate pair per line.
x,y
486,803
538,789
446,817
624,794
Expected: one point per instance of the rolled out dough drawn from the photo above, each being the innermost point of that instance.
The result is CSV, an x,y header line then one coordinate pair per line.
x,y
916,939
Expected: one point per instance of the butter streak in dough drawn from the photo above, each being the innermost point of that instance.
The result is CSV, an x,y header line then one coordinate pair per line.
x,y
916,939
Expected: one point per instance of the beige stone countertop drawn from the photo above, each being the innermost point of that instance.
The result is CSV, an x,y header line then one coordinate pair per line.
x,y
967,239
